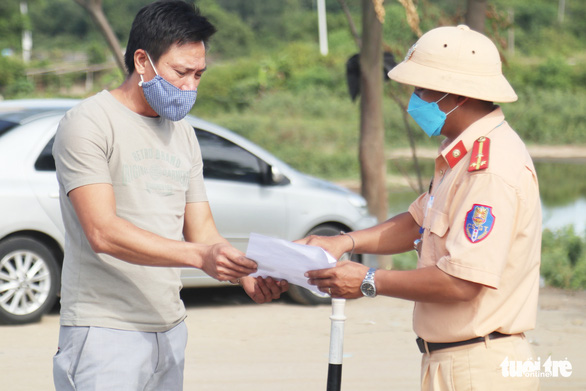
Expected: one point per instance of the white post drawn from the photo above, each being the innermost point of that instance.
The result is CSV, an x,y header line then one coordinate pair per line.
x,y
336,345
323,28
27,36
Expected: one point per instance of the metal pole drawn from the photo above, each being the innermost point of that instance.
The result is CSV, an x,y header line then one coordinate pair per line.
x,y
27,35
336,345
322,27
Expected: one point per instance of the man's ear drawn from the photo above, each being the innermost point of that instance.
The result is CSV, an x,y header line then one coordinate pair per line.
x,y
140,59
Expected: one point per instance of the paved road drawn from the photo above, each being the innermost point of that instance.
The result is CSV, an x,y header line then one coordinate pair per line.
x,y
240,346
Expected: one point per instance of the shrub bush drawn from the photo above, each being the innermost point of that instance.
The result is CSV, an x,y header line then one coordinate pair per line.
x,y
545,116
12,76
563,259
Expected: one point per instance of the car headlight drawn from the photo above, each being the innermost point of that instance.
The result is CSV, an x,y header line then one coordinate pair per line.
x,y
358,202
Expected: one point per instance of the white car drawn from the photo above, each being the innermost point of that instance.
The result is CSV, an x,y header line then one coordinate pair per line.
x,y
249,190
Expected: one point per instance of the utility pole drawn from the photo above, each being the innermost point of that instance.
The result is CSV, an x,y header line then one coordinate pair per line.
x,y
27,35
323,28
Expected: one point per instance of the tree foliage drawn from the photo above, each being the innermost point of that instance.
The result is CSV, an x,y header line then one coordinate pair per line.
x,y
11,24
563,259
270,24
264,61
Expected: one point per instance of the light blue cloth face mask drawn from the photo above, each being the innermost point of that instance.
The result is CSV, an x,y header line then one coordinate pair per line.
x,y
428,114
167,100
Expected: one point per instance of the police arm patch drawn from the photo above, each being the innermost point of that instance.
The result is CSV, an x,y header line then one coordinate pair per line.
x,y
479,223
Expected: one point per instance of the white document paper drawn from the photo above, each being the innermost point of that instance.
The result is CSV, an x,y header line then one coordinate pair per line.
x,y
284,260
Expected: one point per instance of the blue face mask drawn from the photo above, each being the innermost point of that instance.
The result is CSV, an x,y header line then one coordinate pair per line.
x,y
428,114
167,100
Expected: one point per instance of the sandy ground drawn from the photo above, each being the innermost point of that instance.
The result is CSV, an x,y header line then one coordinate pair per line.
x,y
240,346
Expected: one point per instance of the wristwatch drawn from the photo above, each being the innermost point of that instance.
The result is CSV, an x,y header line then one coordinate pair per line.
x,y
367,287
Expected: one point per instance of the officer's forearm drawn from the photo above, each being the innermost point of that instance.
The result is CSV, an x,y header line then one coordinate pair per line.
x,y
393,236
429,284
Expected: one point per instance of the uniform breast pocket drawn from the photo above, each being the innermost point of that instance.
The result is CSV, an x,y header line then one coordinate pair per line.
x,y
437,226
437,222
434,240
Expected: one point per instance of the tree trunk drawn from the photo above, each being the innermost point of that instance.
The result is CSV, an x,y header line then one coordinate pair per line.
x,y
372,159
94,8
476,14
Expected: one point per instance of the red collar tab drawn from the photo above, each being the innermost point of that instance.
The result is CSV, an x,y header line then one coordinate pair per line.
x,y
456,154
480,152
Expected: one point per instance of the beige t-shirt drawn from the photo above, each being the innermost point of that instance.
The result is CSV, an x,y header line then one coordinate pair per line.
x,y
154,166
482,226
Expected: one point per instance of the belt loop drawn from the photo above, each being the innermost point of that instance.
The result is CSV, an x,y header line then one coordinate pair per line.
x,y
426,347
487,341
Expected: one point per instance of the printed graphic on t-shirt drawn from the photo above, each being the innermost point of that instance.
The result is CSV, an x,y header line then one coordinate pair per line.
x,y
159,171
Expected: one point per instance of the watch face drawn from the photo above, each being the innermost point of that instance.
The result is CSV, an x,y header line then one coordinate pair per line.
x,y
368,289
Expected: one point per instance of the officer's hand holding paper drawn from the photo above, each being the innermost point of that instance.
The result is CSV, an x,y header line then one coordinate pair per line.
x,y
286,260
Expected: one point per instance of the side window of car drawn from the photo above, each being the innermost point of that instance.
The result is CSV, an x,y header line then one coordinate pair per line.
x,y
222,159
45,161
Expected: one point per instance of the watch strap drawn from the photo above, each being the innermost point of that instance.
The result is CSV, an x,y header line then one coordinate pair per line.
x,y
369,281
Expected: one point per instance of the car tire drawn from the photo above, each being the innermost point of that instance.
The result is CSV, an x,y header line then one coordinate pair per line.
x,y
29,280
304,296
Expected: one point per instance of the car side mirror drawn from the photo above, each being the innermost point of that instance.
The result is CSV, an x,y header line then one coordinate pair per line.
x,y
276,177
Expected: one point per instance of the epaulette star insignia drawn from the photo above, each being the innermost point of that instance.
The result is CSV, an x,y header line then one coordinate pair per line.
x,y
480,153
456,154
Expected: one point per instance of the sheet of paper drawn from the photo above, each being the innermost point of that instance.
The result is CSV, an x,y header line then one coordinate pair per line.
x,y
284,260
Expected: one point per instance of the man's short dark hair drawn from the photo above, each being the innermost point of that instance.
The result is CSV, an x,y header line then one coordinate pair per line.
x,y
161,24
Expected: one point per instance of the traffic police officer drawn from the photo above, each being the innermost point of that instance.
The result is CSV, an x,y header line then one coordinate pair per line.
x,y
477,230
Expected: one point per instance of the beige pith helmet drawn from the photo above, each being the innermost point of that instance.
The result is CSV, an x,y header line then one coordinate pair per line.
x,y
456,60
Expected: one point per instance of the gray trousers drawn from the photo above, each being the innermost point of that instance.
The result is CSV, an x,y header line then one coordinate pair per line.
x,y
95,358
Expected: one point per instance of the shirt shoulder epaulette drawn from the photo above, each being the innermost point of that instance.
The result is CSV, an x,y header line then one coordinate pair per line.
x,y
456,154
480,154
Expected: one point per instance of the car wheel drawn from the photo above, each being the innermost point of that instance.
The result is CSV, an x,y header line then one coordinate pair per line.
x,y
29,280
304,296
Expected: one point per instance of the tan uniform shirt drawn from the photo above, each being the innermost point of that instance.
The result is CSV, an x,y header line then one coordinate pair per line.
x,y
482,226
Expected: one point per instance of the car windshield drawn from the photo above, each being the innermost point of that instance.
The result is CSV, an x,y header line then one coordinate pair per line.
x,y
5,126
11,117
18,115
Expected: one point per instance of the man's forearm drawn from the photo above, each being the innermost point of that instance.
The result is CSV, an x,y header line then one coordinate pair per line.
x,y
129,243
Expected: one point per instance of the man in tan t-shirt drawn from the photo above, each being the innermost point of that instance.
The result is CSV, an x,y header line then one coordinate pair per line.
x,y
477,229
135,210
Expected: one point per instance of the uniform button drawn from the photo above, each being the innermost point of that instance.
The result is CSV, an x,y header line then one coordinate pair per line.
x,y
456,153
